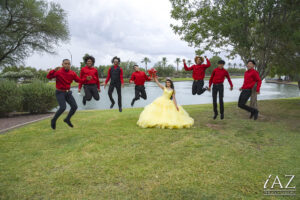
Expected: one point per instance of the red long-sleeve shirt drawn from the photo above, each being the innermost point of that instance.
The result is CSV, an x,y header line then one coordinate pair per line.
x,y
139,77
218,76
198,70
108,75
251,76
64,78
89,71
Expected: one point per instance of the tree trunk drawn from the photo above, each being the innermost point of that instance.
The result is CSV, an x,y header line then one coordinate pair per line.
x,y
253,100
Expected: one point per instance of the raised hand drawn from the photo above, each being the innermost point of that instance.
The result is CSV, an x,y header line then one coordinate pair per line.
x,y
183,60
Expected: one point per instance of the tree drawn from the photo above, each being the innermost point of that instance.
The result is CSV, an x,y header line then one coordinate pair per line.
x,y
189,62
146,60
30,25
240,65
262,30
164,61
177,61
234,65
214,63
229,64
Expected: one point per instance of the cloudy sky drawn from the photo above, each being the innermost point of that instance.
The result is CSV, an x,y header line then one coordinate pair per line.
x,y
130,29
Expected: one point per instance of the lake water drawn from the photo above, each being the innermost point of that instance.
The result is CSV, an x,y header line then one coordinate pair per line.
x,y
184,94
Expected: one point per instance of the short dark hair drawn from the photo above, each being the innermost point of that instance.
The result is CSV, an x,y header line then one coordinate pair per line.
x,y
251,61
112,60
86,58
135,66
222,62
66,59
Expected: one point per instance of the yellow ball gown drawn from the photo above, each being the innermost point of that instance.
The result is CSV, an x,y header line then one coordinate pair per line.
x,y
162,113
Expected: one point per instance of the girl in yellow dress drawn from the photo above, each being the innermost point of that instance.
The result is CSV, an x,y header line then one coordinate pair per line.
x,y
164,112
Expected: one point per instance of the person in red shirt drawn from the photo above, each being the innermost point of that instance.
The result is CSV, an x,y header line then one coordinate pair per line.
x,y
251,77
91,87
198,74
217,78
139,78
64,77
115,75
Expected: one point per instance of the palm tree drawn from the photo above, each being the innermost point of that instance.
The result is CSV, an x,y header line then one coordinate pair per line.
x,y
229,64
146,60
234,65
240,65
177,61
164,62
189,62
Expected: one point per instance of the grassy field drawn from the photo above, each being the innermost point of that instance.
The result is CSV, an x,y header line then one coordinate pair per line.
x,y
106,156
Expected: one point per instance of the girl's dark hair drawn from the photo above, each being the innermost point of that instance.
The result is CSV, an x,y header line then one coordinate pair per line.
x,y
251,61
86,58
172,86
112,60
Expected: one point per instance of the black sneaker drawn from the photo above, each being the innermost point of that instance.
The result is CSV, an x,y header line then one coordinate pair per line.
x,y
252,114
215,116
83,101
53,124
256,115
112,105
132,102
222,116
120,109
68,122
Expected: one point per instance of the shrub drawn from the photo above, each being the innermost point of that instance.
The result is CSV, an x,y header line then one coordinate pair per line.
x,y
38,97
10,97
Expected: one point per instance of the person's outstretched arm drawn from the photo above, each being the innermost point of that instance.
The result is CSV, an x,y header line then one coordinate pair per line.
x,y
174,100
207,63
186,68
229,80
159,85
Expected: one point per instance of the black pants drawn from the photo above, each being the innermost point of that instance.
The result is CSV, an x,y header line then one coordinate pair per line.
x,y
111,88
140,92
244,96
91,91
218,88
62,98
197,87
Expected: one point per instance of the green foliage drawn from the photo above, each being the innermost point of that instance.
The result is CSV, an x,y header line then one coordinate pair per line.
x,y
38,97
214,63
30,25
146,60
10,96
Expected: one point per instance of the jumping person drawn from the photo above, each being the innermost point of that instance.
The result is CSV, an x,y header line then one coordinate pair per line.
x,y
251,77
198,74
217,79
115,75
64,77
91,87
139,78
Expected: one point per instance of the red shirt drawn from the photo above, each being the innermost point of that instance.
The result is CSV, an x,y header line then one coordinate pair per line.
x,y
250,78
121,74
139,77
198,70
89,71
64,78
218,76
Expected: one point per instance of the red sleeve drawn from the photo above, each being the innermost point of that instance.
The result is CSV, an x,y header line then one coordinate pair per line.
x,y
229,80
97,76
51,74
77,79
257,78
108,76
186,68
211,78
132,77
207,64
121,76
81,76
147,77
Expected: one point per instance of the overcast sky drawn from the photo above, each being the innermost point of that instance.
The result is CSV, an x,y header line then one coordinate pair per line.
x,y
130,29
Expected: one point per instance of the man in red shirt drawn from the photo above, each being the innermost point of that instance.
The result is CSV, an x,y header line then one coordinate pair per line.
x,y
251,77
217,78
64,77
91,87
198,74
139,78
115,75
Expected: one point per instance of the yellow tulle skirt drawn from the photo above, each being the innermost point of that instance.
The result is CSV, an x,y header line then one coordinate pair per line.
x,y
162,113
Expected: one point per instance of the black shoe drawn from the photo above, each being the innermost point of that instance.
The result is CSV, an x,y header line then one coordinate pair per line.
x,y
68,122
252,114
132,102
53,124
256,115
120,109
222,116
215,116
83,101
112,105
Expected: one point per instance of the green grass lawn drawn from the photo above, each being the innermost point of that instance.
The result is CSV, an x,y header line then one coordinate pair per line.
x,y
107,156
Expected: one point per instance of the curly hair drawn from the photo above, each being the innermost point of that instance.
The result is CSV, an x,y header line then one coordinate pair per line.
x,y
201,59
112,60
86,58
